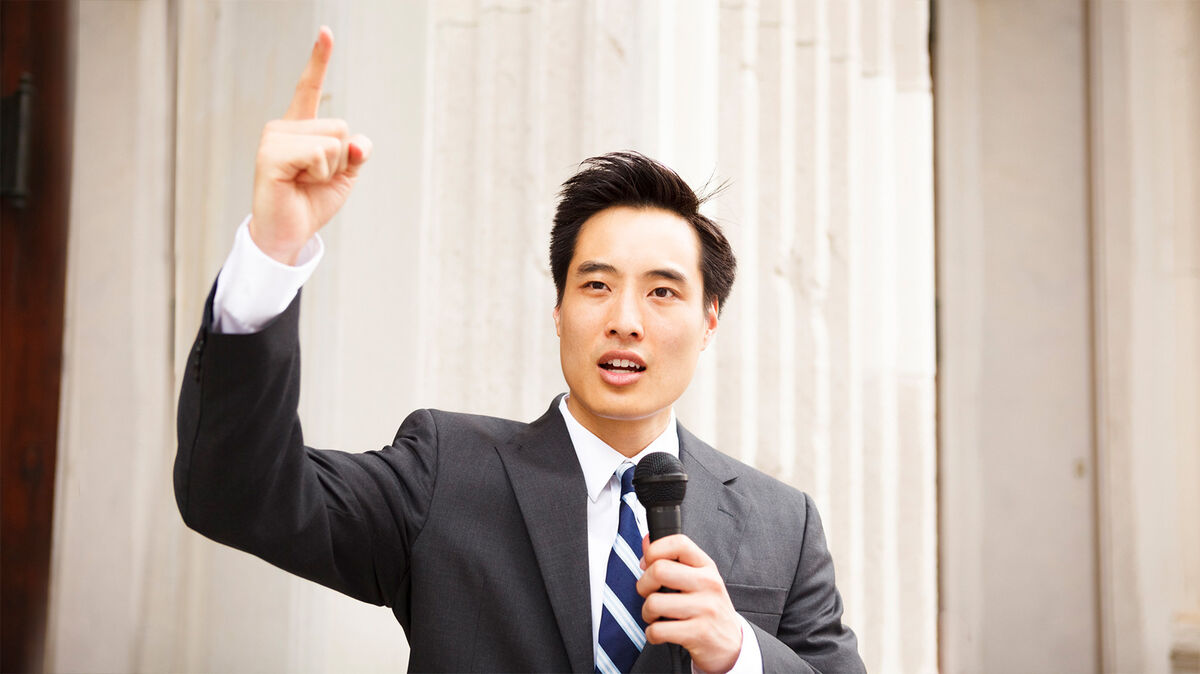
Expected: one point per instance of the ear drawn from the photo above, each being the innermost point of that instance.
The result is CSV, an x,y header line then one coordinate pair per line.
x,y
557,325
710,324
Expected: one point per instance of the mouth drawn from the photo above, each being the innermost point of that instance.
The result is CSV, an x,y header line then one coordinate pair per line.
x,y
622,365
621,368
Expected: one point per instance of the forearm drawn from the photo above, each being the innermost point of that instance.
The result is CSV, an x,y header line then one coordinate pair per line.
x,y
237,427
810,635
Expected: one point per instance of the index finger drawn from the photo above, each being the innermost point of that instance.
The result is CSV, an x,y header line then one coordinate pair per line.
x,y
307,98
676,547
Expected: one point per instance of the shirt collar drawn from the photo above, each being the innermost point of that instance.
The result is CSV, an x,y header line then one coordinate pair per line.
x,y
599,461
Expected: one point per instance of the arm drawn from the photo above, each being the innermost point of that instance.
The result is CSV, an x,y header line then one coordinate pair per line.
x,y
242,473
243,476
811,636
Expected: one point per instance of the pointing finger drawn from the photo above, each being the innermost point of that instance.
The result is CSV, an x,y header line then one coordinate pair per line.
x,y
307,98
314,127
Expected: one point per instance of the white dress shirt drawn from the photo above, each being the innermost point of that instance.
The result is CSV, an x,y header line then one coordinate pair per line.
x,y
253,288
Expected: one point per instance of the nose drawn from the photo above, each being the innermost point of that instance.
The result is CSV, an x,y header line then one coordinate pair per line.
x,y
625,317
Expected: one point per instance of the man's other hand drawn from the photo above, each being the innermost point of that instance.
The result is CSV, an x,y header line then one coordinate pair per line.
x,y
305,167
701,617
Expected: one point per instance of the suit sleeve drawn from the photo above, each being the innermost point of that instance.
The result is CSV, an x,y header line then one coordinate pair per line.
x,y
244,477
811,636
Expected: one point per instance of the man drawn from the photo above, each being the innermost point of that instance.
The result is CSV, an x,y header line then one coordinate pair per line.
x,y
499,545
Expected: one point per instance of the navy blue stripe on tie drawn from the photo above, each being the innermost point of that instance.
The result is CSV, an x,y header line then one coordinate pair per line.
x,y
622,633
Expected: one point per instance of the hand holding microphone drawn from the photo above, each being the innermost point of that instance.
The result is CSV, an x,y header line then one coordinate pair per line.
x,y
686,601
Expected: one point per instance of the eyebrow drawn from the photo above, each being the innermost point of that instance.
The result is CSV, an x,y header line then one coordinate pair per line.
x,y
595,267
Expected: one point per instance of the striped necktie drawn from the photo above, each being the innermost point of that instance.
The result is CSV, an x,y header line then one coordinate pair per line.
x,y
622,631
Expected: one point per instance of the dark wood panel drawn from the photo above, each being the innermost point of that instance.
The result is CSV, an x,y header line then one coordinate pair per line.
x,y
37,39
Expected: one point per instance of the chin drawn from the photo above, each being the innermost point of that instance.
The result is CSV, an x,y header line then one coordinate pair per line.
x,y
625,410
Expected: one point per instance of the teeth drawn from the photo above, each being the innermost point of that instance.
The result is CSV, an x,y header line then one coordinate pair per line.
x,y
623,364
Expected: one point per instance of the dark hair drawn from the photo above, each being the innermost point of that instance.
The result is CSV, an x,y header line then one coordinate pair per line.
x,y
633,179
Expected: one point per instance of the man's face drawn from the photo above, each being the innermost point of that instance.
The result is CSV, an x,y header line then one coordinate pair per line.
x,y
632,321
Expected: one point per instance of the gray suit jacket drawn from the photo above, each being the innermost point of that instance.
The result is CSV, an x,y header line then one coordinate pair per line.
x,y
473,529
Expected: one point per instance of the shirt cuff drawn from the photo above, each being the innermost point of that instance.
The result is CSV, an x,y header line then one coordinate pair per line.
x,y
749,658
254,288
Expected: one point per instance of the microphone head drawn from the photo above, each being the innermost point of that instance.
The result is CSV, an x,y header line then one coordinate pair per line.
x,y
659,480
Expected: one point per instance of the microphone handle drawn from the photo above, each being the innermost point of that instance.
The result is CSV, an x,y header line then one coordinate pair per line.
x,y
667,521
664,521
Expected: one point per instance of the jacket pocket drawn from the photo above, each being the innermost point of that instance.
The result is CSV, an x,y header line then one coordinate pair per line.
x,y
761,606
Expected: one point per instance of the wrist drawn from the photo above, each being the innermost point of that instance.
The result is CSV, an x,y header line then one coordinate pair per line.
x,y
284,252
731,660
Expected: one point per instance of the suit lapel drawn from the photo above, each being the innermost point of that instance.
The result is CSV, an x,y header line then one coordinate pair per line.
x,y
548,482
713,516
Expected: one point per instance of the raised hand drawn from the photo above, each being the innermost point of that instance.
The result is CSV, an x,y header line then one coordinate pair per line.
x,y
305,167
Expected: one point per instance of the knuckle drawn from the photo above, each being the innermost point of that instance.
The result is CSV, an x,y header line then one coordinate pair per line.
x,y
651,571
711,582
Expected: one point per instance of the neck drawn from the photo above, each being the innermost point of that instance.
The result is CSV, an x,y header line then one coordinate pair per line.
x,y
627,436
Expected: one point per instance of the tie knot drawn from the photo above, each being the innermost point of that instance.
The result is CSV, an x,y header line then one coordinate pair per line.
x,y
625,472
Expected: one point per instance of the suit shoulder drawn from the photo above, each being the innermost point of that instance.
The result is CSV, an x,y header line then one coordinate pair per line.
x,y
476,427
750,481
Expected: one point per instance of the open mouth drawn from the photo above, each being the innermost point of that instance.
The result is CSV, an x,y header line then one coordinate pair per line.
x,y
622,365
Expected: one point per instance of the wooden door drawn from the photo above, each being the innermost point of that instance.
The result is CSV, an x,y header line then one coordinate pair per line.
x,y
36,45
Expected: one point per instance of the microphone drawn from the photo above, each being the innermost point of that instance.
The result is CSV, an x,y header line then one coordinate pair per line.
x,y
660,483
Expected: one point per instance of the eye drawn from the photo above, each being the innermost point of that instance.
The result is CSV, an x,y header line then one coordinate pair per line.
x,y
663,293
595,285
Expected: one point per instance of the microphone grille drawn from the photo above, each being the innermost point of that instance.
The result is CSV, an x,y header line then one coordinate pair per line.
x,y
659,480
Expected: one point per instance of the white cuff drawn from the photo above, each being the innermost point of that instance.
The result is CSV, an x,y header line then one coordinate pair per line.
x,y
254,288
749,658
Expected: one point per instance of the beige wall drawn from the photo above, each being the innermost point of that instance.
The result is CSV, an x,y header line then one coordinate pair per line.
x,y
1018,569
1146,187
1068,222
115,538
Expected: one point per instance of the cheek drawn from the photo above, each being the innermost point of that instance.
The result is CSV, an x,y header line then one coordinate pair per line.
x,y
573,342
681,342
